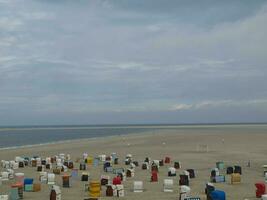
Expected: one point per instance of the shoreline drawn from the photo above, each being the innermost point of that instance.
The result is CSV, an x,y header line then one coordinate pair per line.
x,y
145,132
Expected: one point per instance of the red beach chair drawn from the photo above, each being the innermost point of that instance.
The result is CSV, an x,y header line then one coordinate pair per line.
x,y
260,189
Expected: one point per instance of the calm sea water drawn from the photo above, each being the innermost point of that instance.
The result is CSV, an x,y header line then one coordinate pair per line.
x,y
22,136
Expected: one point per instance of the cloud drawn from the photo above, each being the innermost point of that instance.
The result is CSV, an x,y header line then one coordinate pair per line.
x,y
119,57
220,104
10,24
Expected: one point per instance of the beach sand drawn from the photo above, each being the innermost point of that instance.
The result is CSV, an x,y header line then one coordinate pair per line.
x,y
233,146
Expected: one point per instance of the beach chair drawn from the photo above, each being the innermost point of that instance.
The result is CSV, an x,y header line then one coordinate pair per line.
x,y
214,172
4,197
17,190
161,163
217,195
235,178
130,173
220,165
51,179
147,160
122,175
209,188
184,192
55,193
145,166
66,181
14,194
10,173
28,184
94,189
40,168
177,165
74,174
14,165
82,166
171,171
104,179
260,189
184,180
19,177
85,176
154,176
191,173
111,190
120,190
136,164
154,167
167,160
229,170
237,169
264,197
43,177
36,187
4,176
168,185
116,161
138,186
116,180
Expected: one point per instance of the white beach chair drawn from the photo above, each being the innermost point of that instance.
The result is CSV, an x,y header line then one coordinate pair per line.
x,y
138,186
51,179
168,185
120,190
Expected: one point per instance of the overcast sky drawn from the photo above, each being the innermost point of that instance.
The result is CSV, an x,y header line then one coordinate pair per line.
x,y
125,61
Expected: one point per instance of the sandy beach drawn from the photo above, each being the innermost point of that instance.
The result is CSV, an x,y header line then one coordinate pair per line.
x,y
233,146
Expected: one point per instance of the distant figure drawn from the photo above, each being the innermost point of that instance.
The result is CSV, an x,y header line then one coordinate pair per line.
x,y
223,141
248,165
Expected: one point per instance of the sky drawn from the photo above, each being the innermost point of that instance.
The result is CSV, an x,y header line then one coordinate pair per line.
x,y
132,62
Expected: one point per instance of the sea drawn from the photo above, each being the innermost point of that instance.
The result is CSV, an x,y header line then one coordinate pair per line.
x,y
15,137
